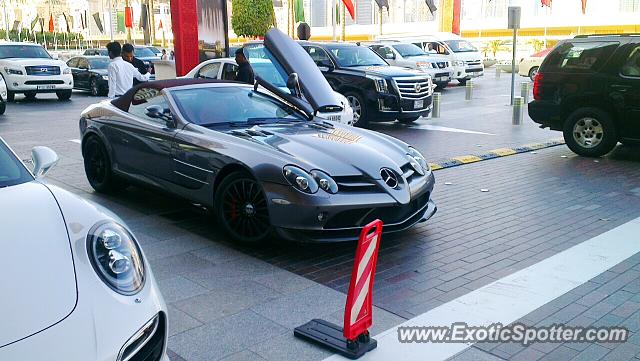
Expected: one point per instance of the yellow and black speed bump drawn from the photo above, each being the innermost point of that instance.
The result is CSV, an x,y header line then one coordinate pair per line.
x,y
496,153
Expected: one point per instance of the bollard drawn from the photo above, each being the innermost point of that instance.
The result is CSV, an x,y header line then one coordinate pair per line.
x,y
518,110
469,90
498,71
435,113
524,91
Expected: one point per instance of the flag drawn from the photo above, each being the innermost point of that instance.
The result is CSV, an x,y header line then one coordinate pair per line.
x,y
160,25
349,5
298,10
66,21
383,3
584,6
96,18
51,27
546,3
34,23
128,17
432,6
41,20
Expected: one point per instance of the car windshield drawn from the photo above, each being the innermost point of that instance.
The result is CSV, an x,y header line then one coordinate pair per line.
x,y
348,56
231,105
23,51
461,46
99,63
143,53
408,50
12,171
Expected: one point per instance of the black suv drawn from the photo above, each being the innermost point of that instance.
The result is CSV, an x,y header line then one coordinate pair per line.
x,y
376,91
589,87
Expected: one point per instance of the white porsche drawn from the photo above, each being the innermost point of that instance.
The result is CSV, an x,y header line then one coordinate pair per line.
x,y
75,284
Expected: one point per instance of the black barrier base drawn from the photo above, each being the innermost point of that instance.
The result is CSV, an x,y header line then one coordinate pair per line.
x,y
330,336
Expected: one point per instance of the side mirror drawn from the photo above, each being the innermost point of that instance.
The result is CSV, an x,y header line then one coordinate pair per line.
x,y
390,56
43,159
293,84
325,65
154,111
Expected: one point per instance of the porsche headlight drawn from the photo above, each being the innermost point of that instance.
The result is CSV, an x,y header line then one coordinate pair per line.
x,y
325,182
417,161
300,179
116,257
380,83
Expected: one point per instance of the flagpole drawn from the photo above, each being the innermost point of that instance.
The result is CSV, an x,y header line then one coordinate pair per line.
x,y
334,20
380,7
343,18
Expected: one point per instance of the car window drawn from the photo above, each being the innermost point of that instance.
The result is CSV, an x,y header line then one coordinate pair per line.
x,y
631,66
433,47
408,50
348,56
579,56
99,63
318,55
209,71
144,98
12,171
141,52
461,46
229,71
23,51
83,63
247,106
267,71
73,62
384,51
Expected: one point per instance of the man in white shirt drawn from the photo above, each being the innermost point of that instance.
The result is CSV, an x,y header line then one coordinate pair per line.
x,y
121,73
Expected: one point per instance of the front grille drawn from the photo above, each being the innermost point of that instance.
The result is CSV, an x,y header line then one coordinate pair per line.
x,y
413,87
43,82
388,215
42,70
147,344
441,74
473,62
442,64
355,184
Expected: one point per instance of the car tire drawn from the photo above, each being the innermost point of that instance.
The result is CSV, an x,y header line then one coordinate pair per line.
x,y
408,120
64,94
30,95
360,116
97,167
533,72
462,81
3,107
95,88
590,132
241,208
11,96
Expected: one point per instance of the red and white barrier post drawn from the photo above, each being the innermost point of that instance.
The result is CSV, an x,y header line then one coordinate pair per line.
x,y
352,340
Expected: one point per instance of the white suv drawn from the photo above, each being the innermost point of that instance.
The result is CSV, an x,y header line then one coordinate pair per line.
x,y
29,69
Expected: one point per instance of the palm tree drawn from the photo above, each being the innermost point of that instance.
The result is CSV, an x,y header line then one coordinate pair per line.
x,y
493,47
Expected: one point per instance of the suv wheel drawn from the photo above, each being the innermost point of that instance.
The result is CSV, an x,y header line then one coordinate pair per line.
x,y
3,107
533,72
590,132
11,96
359,110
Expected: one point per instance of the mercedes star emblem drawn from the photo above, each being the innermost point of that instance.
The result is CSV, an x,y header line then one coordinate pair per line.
x,y
389,177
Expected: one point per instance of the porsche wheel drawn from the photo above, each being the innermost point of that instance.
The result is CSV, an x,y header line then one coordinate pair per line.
x,y
241,208
97,167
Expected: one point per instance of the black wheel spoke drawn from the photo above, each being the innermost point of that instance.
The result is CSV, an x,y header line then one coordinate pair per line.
x,y
244,210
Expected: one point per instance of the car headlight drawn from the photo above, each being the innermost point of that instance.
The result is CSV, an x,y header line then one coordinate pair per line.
x,y
13,71
105,77
300,179
424,65
116,257
325,182
417,161
66,71
381,83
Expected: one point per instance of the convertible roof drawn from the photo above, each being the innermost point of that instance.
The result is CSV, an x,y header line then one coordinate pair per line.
x,y
125,100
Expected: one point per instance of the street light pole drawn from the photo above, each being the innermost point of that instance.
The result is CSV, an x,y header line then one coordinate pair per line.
x,y
111,19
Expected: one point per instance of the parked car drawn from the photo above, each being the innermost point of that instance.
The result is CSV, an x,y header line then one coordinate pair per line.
x,y
96,52
72,271
377,92
3,96
226,69
29,69
529,66
409,55
143,53
261,160
589,88
464,56
90,73
156,51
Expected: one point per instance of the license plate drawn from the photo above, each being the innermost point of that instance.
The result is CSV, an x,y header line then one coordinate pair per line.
x,y
418,104
45,87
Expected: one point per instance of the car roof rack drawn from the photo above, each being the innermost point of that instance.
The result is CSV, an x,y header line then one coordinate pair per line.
x,y
606,35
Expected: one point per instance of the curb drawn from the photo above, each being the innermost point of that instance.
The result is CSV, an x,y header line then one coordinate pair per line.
x,y
492,154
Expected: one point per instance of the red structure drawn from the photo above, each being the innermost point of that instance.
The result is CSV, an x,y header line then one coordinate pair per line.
x,y
184,20
455,26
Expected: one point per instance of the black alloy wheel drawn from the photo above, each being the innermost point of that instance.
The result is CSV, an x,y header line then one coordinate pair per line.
x,y
97,167
241,208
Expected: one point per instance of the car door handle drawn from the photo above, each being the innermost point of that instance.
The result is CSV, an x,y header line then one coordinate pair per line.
x,y
621,87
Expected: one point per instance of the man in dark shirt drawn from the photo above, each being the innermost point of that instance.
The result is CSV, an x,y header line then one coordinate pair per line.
x,y
128,56
245,72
